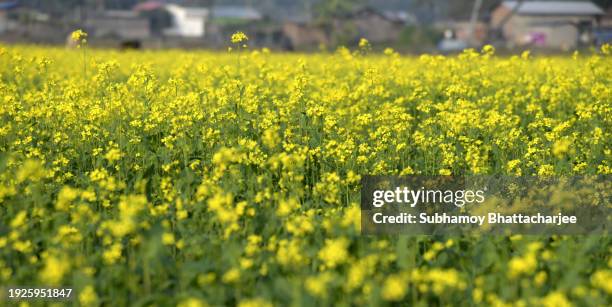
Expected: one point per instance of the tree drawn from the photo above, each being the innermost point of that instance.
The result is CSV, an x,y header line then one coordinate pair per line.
x,y
330,8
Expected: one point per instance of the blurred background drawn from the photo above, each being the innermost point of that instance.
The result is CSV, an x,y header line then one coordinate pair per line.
x,y
408,26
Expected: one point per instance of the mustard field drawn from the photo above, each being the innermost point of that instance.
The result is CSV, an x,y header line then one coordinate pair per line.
x,y
162,178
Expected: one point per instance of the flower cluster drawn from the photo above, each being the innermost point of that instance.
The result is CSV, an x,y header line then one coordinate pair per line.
x,y
79,37
239,37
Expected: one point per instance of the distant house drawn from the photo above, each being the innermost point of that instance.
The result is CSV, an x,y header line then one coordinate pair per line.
x,y
302,36
192,21
550,24
118,25
227,19
187,21
368,23
346,28
154,11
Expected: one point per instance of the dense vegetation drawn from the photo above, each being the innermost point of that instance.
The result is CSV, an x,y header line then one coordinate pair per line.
x,y
200,178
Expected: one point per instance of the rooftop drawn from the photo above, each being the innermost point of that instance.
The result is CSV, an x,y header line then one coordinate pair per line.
x,y
555,8
238,12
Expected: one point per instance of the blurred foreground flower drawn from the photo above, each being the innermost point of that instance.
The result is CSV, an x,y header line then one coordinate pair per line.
x,y
79,36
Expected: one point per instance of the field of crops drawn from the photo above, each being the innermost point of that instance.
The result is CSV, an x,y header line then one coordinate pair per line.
x,y
200,178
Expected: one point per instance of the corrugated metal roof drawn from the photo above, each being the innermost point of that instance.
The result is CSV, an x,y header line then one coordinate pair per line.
x,y
555,7
238,12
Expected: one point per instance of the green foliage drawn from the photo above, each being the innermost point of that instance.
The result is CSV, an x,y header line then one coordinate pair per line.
x,y
171,177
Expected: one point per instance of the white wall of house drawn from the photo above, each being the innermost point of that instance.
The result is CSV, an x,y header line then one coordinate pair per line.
x,y
559,31
187,21
545,23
